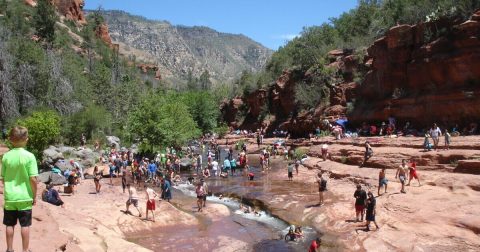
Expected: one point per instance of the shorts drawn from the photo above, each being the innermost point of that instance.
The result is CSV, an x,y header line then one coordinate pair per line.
x,y
402,179
10,217
133,202
382,182
324,151
151,205
359,208
290,174
200,197
370,217
413,174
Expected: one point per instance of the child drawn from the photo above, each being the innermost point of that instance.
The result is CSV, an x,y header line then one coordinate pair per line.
x,y
427,146
19,177
290,171
447,140
151,194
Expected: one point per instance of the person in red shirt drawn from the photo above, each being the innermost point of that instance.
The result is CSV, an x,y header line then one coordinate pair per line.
x,y
413,172
315,245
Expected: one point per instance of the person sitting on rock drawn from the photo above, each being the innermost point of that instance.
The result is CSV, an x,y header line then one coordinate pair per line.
x,y
51,196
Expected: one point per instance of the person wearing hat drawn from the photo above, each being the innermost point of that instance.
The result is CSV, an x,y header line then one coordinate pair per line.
x,y
360,198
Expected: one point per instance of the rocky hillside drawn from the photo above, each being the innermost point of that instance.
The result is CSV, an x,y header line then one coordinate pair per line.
x,y
180,49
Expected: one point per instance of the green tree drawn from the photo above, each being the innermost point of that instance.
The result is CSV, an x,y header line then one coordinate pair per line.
x,y
43,130
44,20
160,121
92,120
204,81
203,108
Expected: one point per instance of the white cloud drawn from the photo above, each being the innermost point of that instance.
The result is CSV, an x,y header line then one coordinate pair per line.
x,y
287,36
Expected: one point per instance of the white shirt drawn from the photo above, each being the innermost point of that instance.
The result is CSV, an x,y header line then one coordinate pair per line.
x,y
214,165
435,132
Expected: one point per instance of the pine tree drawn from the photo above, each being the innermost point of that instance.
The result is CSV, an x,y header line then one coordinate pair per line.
x,y
44,20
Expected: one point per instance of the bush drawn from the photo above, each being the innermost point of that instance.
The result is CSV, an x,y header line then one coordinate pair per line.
x,y
43,130
221,130
299,152
93,120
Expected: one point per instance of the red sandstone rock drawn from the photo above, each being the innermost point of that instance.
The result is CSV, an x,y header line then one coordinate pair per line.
x,y
468,166
256,102
420,82
70,9
103,34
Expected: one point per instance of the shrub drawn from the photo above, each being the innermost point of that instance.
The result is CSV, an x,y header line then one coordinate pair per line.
x,y
43,130
221,130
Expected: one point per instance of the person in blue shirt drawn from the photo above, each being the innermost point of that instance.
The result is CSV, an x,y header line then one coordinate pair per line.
x,y
152,170
226,165
233,166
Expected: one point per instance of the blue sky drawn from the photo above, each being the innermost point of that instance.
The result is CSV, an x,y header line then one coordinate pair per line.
x,y
270,22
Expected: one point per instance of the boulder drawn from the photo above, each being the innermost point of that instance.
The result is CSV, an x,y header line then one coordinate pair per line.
x,y
86,157
113,141
468,166
63,165
52,178
51,155
185,162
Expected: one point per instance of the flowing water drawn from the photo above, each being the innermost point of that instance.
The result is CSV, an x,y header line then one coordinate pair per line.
x,y
242,231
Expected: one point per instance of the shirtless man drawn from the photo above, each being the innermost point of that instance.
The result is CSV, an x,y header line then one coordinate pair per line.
x,y
132,200
382,181
401,174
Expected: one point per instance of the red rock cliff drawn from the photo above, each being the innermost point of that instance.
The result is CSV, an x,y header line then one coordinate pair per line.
x,y
422,79
70,9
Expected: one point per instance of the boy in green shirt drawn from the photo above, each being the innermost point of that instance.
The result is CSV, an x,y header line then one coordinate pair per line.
x,y
19,177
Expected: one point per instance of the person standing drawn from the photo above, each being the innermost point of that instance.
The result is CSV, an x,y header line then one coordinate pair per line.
x,y
205,189
412,168
167,189
199,163
401,174
324,151
290,171
151,194
371,211
233,166
19,176
322,187
382,181
368,153
200,191
360,197
226,165
447,139
215,167
132,200
96,179
435,133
